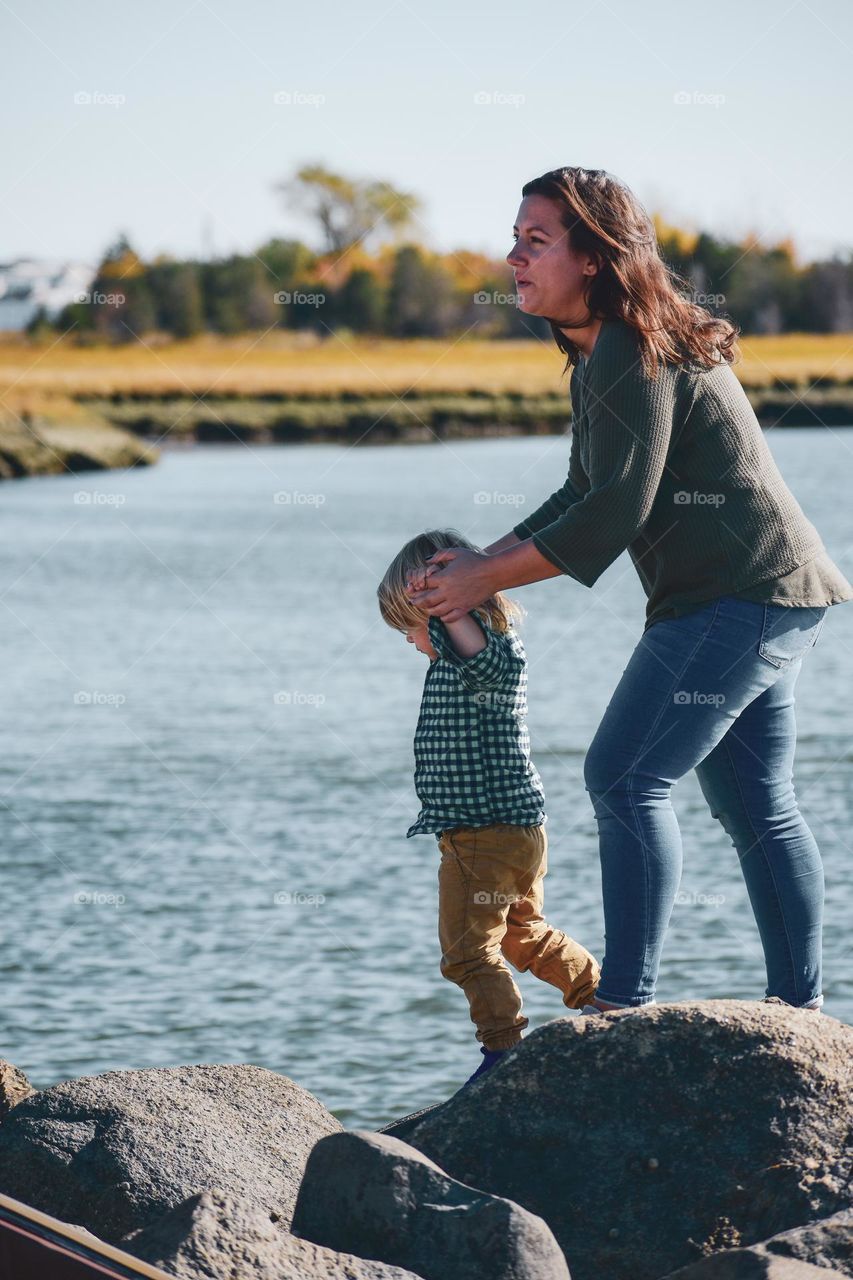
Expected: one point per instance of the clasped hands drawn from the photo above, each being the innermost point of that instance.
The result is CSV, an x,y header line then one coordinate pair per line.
x,y
452,583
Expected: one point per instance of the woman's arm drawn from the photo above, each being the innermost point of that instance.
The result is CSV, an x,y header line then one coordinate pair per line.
x,y
467,578
629,421
510,539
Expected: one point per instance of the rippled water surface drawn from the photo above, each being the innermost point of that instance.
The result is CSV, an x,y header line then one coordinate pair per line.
x,y
207,766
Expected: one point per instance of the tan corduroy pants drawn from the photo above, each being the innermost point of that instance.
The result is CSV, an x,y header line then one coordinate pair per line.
x,y
490,897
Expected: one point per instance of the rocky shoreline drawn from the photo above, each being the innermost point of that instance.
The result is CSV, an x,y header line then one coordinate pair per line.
x,y
36,445
94,433
689,1140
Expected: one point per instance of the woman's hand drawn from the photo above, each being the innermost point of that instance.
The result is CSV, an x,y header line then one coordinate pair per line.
x,y
455,581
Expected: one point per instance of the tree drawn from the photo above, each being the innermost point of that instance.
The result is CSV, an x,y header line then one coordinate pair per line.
x,y
420,297
348,211
238,295
284,261
121,303
361,303
176,291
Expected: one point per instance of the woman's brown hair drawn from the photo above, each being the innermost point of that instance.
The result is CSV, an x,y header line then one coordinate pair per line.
x,y
604,219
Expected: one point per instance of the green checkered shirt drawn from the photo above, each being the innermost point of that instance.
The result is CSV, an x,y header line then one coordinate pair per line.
x,y
472,746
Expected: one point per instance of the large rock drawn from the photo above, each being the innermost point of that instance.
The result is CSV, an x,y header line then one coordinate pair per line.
x,y
14,1087
372,1195
748,1264
114,1151
826,1244
646,1138
215,1235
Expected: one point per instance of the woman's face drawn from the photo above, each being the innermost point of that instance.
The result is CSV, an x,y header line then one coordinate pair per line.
x,y
551,278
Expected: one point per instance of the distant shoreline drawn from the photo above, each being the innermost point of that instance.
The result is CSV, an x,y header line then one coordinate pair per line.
x,y
81,408
123,431
407,418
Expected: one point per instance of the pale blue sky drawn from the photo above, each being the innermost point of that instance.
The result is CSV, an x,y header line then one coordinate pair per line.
x,y
388,90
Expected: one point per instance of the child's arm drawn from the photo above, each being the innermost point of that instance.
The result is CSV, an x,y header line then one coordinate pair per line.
x,y
466,636
487,663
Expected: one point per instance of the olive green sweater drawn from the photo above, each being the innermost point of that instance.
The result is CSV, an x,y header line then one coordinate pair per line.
x,y
677,471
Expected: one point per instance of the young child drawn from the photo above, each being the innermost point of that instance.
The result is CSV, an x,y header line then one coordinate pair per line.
x,y
482,797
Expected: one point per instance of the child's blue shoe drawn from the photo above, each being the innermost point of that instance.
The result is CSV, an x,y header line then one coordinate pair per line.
x,y
490,1057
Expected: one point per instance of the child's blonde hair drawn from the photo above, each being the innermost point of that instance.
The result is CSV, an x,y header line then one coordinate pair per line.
x,y
399,611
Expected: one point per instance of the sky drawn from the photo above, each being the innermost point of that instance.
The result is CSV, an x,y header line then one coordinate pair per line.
x,y
173,120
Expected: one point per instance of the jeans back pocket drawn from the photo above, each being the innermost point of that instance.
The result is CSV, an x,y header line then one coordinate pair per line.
x,y
789,631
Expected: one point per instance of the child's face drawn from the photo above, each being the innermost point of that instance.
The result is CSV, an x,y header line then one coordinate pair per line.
x,y
419,636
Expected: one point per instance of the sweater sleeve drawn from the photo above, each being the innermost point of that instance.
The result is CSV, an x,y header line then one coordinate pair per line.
x,y
559,502
629,420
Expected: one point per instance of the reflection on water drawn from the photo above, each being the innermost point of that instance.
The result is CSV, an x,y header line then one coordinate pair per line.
x,y
207,766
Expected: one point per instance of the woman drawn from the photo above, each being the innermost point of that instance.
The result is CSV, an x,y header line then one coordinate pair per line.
x,y
668,461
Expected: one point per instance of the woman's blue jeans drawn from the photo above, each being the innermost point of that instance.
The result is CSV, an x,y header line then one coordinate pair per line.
x,y
711,691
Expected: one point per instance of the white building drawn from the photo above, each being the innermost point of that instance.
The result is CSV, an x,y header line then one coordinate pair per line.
x,y
27,284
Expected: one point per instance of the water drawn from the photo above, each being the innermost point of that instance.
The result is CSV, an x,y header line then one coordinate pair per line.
x,y
207,770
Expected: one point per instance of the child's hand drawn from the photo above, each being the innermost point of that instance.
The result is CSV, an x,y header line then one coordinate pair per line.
x,y
418,579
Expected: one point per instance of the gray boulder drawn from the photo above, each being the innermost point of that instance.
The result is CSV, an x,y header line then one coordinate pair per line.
x,y
827,1244
647,1138
112,1152
748,1264
214,1235
14,1087
372,1195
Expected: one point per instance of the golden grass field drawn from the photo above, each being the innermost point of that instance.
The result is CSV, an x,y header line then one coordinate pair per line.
x,y
301,365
